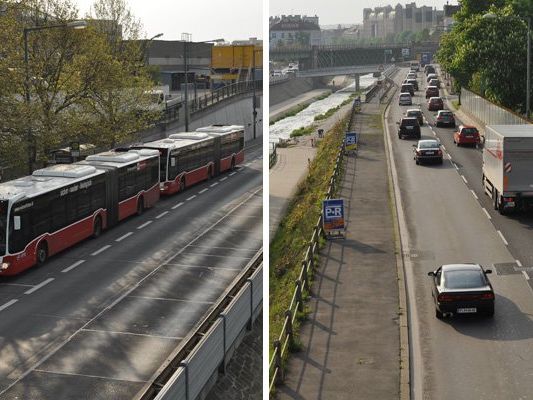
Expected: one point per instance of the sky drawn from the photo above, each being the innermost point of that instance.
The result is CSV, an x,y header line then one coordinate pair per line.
x,y
204,19
341,11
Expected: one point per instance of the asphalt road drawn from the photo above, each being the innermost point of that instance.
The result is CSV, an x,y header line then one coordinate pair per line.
x,y
97,321
448,219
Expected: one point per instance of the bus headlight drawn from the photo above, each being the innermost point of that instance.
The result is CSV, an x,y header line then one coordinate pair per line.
x,y
5,265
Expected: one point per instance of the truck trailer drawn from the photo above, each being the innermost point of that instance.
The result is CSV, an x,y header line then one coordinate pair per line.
x,y
508,166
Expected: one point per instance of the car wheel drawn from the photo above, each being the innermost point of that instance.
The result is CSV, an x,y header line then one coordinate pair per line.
x,y
440,161
490,313
417,162
438,314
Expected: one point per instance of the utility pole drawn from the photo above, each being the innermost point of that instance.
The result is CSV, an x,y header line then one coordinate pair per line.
x,y
528,80
186,37
254,102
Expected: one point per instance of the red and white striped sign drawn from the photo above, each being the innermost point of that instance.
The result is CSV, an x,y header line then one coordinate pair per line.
x,y
508,168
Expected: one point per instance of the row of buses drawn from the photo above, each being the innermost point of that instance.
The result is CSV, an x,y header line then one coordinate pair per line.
x,y
61,205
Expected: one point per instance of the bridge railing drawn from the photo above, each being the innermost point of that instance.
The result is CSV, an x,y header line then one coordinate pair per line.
x,y
198,358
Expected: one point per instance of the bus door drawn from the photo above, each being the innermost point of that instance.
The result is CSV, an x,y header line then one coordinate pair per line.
x,y
217,154
112,196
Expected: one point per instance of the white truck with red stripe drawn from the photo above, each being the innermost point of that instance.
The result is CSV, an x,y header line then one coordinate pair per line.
x,y
508,166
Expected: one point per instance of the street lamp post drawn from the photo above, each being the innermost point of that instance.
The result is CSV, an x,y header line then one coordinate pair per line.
x,y
528,66
186,42
27,97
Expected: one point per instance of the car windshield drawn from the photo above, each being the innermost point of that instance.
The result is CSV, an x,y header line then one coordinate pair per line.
x,y
464,279
3,227
428,145
469,131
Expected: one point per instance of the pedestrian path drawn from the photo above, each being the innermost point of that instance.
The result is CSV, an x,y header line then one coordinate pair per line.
x,y
350,342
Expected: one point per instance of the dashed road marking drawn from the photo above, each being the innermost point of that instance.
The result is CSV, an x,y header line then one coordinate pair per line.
x,y
518,263
73,266
161,215
444,148
502,237
120,239
464,179
486,213
203,191
145,224
9,303
455,166
232,173
474,194
100,250
40,285
177,205
213,184
190,198
247,164
223,179
525,275
449,156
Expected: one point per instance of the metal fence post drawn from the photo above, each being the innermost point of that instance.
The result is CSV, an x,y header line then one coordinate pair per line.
x,y
277,362
288,315
299,296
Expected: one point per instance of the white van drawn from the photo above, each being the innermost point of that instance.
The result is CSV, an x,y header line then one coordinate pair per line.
x,y
405,99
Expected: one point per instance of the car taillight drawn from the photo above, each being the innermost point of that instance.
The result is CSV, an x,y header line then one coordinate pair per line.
x,y
487,296
439,152
439,118
508,199
444,297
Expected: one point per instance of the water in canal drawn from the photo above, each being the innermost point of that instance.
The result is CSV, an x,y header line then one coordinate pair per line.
x,y
283,128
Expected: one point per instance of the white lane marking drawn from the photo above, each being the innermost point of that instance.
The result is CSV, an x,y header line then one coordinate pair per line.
x,y
177,205
247,164
223,179
9,303
518,263
525,275
100,250
40,285
449,156
120,239
213,184
161,215
464,179
73,266
203,191
474,194
145,224
444,148
190,198
486,213
503,238
455,166
232,173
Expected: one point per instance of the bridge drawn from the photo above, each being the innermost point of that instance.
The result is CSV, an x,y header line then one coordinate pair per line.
x,y
320,57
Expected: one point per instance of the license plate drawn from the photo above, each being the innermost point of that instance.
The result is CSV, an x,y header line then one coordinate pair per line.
x,y
469,136
466,310
430,153
409,127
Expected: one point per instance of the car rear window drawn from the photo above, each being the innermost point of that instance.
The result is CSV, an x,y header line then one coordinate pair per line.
x,y
446,114
464,279
428,145
409,122
469,131
413,113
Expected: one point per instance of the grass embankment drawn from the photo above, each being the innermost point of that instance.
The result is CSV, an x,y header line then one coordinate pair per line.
x,y
455,104
291,240
304,130
333,110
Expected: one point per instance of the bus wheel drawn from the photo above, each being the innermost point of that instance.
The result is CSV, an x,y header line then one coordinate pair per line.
x,y
140,206
97,229
42,253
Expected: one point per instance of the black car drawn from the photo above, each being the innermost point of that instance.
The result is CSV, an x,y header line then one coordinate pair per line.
x,y
408,88
429,69
445,118
409,126
462,289
427,150
413,82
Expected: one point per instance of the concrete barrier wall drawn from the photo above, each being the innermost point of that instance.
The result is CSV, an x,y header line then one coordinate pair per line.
x,y
289,88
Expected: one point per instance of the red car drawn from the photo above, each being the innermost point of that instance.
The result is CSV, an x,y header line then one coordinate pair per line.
x,y
466,134
432,91
435,104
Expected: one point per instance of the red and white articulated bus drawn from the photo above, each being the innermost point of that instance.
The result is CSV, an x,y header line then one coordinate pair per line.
x,y
59,206
191,157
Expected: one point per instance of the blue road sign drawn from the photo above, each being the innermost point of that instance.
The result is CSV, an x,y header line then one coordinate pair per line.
x,y
333,214
357,102
350,141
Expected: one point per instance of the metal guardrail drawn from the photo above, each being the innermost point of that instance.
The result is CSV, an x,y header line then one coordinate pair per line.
x,y
173,377
273,154
172,111
303,283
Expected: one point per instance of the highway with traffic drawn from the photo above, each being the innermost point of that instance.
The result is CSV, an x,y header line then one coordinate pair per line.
x,y
99,319
445,217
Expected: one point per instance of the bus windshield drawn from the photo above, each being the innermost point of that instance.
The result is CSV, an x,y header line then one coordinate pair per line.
x,y
3,227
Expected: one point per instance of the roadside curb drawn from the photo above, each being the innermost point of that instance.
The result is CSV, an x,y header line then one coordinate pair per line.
x,y
403,311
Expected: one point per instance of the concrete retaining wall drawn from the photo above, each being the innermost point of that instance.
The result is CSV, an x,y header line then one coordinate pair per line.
x,y
290,88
